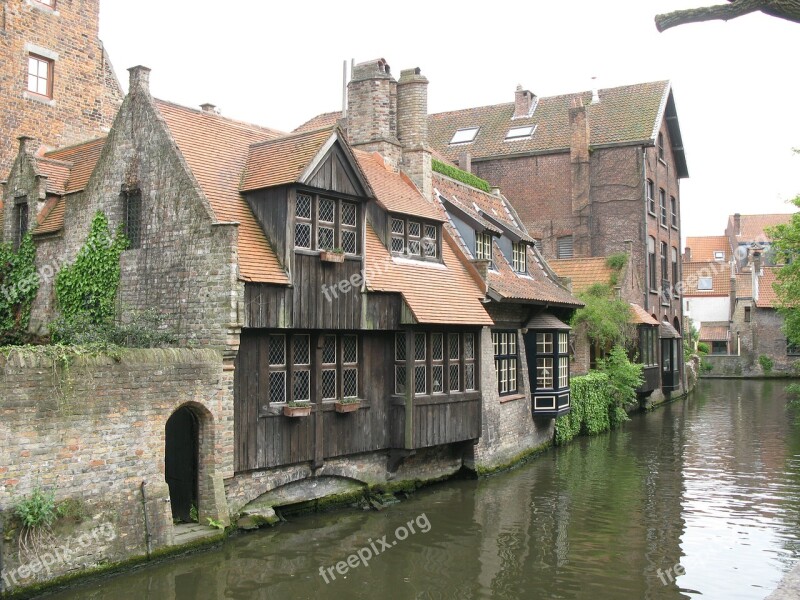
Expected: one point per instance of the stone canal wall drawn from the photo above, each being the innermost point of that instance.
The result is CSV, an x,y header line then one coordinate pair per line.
x,y
91,430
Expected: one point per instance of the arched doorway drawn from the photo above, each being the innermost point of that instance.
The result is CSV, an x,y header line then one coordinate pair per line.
x,y
180,462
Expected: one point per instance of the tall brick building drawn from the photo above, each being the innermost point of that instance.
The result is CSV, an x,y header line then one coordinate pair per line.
x,y
589,173
56,82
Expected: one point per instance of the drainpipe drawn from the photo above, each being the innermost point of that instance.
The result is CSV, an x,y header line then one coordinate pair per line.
x,y
146,522
644,231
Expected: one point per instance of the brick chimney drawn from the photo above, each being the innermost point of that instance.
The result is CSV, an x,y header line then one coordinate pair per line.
x,y
737,224
687,254
209,108
139,79
579,155
465,161
412,128
372,110
524,103
27,144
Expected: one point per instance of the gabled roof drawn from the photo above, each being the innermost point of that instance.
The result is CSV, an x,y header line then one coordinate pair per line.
x,y
435,293
719,272
703,247
625,115
215,149
752,227
767,298
394,191
324,120
584,272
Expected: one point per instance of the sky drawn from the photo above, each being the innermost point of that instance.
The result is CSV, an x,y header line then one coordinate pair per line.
x,y
279,64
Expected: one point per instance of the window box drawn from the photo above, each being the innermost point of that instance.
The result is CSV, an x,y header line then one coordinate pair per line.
x,y
347,405
332,256
297,409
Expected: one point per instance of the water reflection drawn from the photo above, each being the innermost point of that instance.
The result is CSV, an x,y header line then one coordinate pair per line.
x,y
709,486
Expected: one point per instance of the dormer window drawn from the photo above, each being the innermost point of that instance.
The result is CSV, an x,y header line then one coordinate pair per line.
x,y
414,238
483,246
464,136
324,223
719,255
519,257
518,133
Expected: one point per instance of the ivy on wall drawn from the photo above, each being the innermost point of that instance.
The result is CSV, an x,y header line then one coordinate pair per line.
x,y
19,283
589,395
87,289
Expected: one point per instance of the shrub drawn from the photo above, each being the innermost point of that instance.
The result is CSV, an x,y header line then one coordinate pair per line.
x,y
702,348
459,175
140,329
19,283
607,317
37,510
624,378
766,363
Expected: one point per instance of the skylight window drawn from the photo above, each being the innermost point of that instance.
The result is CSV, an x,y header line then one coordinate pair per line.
x,y
517,133
464,136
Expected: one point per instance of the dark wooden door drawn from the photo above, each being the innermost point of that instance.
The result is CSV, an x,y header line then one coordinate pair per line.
x,y
181,462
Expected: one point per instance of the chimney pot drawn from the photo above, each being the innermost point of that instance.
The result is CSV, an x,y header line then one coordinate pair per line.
x,y
209,108
139,78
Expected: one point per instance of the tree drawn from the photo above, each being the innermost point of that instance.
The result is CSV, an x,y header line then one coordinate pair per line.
x,y
783,9
786,244
607,317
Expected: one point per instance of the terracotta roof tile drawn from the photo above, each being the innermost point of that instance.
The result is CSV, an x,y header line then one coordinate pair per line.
x,y
713,333
394,191
703,247
767,298
325,120
752,226
57,173
215,149
282,160
584,272
719,272
744,285
445,294
82,159
51,219
624,114
641,316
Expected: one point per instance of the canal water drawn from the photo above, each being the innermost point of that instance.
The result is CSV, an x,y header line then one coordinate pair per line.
x,y
698,499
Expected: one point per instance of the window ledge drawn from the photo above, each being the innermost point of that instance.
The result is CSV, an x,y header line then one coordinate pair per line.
x,y
38,98
511,398
430,263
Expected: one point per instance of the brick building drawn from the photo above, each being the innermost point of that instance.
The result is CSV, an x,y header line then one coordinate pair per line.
x,y
331,272
57,84
589,173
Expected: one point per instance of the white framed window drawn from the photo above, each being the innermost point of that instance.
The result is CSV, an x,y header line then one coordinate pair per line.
x,y
465,135
40,75
704,283
519,133
483,246
719,255
519,257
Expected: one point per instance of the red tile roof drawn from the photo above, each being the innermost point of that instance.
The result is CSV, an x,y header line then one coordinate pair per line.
x,y
744,285
282,160
320,121
624,114
767,298
713,333
641,316
719,272
215,149
752,226
584,272
51,219
394,191
435,293
703,247
82,159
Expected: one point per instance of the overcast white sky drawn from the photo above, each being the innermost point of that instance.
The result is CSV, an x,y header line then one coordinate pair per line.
x,y
278,64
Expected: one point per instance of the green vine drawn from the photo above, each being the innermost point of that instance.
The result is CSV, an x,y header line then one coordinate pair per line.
x,y
607,317
459,175
88,287
19,283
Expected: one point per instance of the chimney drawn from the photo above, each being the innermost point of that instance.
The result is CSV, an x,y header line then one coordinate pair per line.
x,y
732,292
412,128
737,224
465,161
27,144
524,103
372,110
579,155
595,92
139,79
209,108
687,254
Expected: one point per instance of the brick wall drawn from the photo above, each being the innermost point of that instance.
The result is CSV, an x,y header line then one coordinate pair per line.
x,y
86,93
763,334
95,432
187,265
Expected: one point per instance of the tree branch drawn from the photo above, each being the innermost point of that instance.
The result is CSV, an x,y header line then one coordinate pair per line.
x,y
720,12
